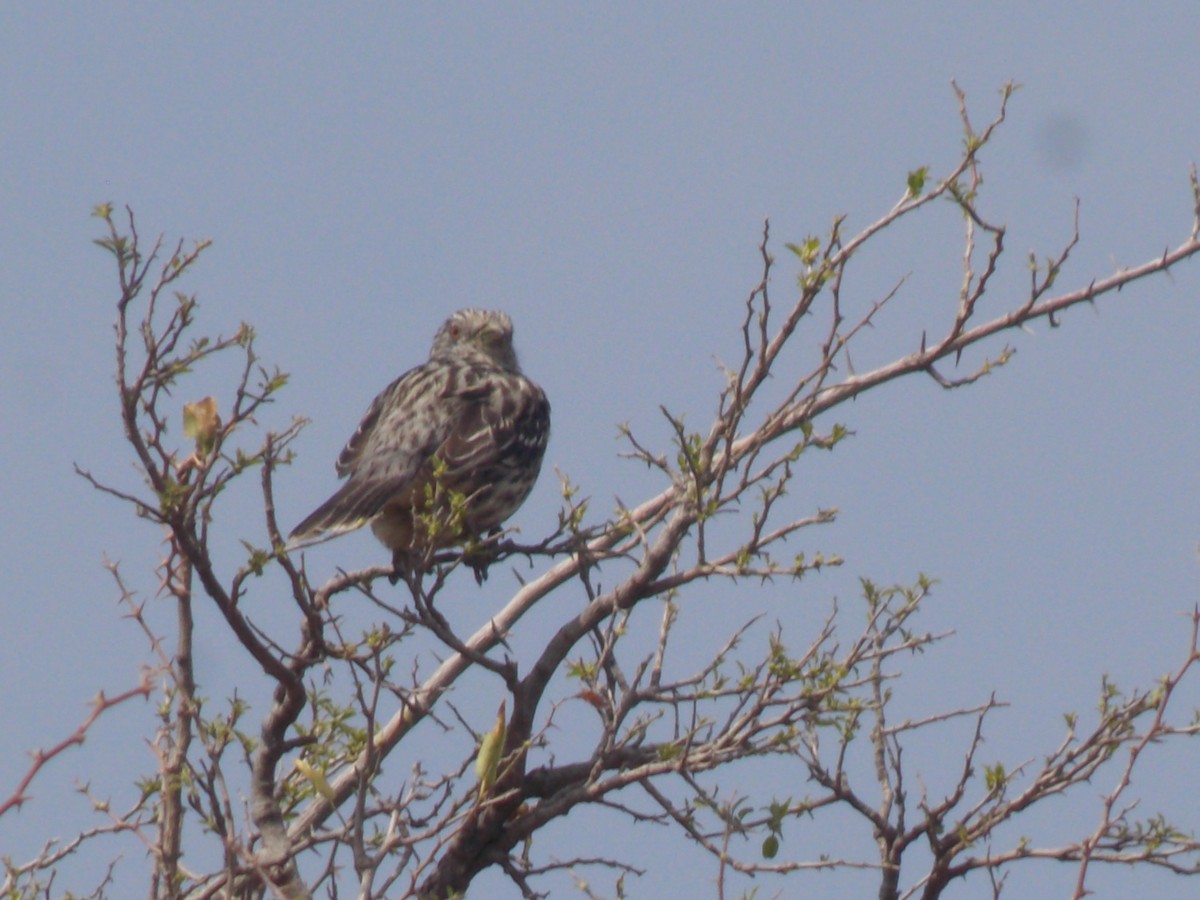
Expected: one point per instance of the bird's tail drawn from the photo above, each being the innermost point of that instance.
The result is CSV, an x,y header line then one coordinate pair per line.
x,y
352,507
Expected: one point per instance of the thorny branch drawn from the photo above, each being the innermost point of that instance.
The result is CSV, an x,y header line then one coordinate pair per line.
x,y
101,705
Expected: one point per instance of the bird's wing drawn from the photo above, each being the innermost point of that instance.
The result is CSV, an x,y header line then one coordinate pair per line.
x,y
400,392
503,417
402,428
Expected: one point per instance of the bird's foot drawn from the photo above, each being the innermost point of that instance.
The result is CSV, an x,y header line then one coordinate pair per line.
x,y
478,558
404,568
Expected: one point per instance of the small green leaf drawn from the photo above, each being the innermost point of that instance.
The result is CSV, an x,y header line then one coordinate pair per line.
x,y
916,181
995,777
770,847
258,559
807,251
668,752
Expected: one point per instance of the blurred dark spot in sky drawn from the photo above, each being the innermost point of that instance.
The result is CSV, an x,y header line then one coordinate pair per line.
x,y
1062,141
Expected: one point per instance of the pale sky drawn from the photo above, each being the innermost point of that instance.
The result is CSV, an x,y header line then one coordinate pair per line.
x,y
603,175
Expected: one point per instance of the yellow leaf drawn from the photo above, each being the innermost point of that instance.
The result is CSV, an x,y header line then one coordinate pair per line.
x,y
317,780
491,749
201,422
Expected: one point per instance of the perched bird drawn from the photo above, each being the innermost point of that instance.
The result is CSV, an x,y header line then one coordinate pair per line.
x,y
447,451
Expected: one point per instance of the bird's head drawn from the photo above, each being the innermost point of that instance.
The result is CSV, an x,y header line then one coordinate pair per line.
x,y
482,334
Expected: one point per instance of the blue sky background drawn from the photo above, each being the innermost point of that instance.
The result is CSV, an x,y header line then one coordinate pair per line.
x,y
603,175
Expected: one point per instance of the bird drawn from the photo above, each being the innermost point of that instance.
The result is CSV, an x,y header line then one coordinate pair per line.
x,y
445,453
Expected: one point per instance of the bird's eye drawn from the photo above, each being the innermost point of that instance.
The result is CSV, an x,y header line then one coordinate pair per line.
x,y
455,332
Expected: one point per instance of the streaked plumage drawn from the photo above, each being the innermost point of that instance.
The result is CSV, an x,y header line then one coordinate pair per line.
x,y
470,410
